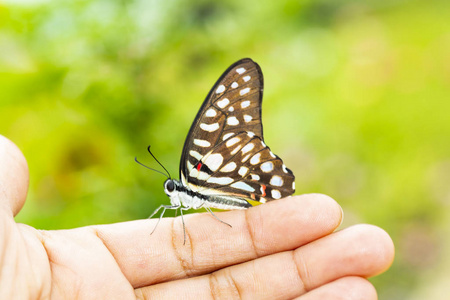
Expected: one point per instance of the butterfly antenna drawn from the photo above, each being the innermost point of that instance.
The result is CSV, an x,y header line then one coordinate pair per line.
x,y
135,159
148,149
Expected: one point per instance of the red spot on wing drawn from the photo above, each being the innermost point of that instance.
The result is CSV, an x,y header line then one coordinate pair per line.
x,y
199,166
263,190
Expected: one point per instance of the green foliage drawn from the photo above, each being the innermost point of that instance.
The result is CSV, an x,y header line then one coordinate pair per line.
x,y
356,103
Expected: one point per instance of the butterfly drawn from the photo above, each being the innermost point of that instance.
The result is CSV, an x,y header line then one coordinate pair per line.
x,y
225,163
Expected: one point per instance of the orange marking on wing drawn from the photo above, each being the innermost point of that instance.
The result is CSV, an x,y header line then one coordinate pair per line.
x,y
263,188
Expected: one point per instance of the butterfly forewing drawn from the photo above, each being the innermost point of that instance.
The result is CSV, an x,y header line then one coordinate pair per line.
x,y
233,105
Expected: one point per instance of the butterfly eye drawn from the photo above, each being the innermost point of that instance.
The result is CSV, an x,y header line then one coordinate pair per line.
x,y
169,185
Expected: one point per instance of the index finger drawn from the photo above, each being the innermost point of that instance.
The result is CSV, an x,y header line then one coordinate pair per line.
x,y
277,226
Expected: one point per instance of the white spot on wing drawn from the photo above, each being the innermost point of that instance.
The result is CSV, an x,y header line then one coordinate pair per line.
x,y
222,103
199,175
284,168
267,166
240,70
202,175
250,134
210,113
242,186
209,127
195,154
248,147
232,121
227,135
229,167
273,155
220,89
214,161
276,180
264,145
243,171
234,85
189,165
231,108
246,78
247,118
262,200
244,91
245,103
255,159
236,150
202,143
293,185
193,173
220,180
255,177
246,158
232,141
276,194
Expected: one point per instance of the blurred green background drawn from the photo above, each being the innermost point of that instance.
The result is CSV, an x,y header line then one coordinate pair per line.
x,y
356,103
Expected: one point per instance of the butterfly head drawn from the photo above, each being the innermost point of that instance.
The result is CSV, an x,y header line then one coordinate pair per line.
x,y
169,187
174,190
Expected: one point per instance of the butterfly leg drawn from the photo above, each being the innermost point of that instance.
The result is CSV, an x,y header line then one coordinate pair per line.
x,y
209,209
164,207
182,220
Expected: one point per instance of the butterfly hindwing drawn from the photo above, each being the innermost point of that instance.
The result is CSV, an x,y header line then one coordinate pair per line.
x,y
245,167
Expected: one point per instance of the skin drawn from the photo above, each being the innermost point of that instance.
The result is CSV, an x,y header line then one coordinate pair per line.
x,y
285,249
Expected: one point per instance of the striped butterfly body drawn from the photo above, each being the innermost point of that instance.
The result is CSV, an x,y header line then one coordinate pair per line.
x,y
225,163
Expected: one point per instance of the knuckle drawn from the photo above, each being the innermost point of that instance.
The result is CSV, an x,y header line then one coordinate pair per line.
x,y
184,254
223,286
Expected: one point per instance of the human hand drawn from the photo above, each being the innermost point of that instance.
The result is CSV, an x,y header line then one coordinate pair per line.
x,y
280,250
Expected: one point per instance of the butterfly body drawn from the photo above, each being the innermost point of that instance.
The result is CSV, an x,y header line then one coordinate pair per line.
x,y
225,162
183,197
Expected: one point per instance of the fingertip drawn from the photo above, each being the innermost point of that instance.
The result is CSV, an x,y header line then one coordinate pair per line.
x,y
14,176
293,221
348,288
386,247
358,288
375,243
331,212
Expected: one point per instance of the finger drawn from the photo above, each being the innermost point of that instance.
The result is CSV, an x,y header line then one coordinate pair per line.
x,y
361,250
13,177
347,288
277,226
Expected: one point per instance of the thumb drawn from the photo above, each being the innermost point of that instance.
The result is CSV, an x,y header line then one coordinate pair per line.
x,y
13,177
